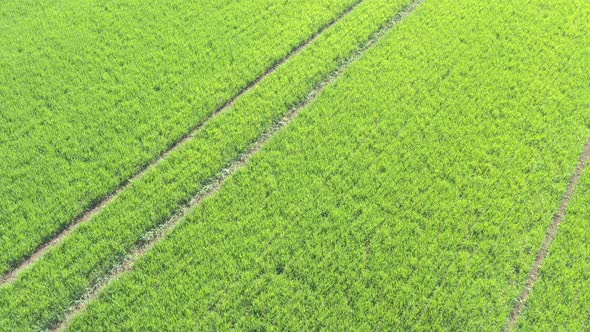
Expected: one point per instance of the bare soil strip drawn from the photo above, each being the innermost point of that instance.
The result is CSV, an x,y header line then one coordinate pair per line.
x,y
551,233
217,182
87,215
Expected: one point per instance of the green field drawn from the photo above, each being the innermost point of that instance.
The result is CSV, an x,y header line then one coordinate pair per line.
x,y
370,165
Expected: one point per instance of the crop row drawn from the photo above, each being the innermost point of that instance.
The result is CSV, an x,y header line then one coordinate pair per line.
x,y
42,294
412,194
92,91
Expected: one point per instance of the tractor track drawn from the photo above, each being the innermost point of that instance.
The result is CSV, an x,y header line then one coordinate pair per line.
x,y
216,183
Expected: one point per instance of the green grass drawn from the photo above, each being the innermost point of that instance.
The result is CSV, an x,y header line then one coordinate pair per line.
x,y
65,273
93,90
413,194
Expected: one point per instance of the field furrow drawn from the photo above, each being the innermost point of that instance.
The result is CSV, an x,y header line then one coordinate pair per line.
x,y
77,264
414,193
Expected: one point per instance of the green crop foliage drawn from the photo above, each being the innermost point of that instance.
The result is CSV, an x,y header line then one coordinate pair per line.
x,y
560,298
91,91
413,194
41,295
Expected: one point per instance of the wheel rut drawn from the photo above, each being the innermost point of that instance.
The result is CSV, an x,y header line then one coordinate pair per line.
x,y
216,183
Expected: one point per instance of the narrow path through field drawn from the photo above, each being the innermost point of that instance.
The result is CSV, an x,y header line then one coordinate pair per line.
x,y
551,233
217,182
87,215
